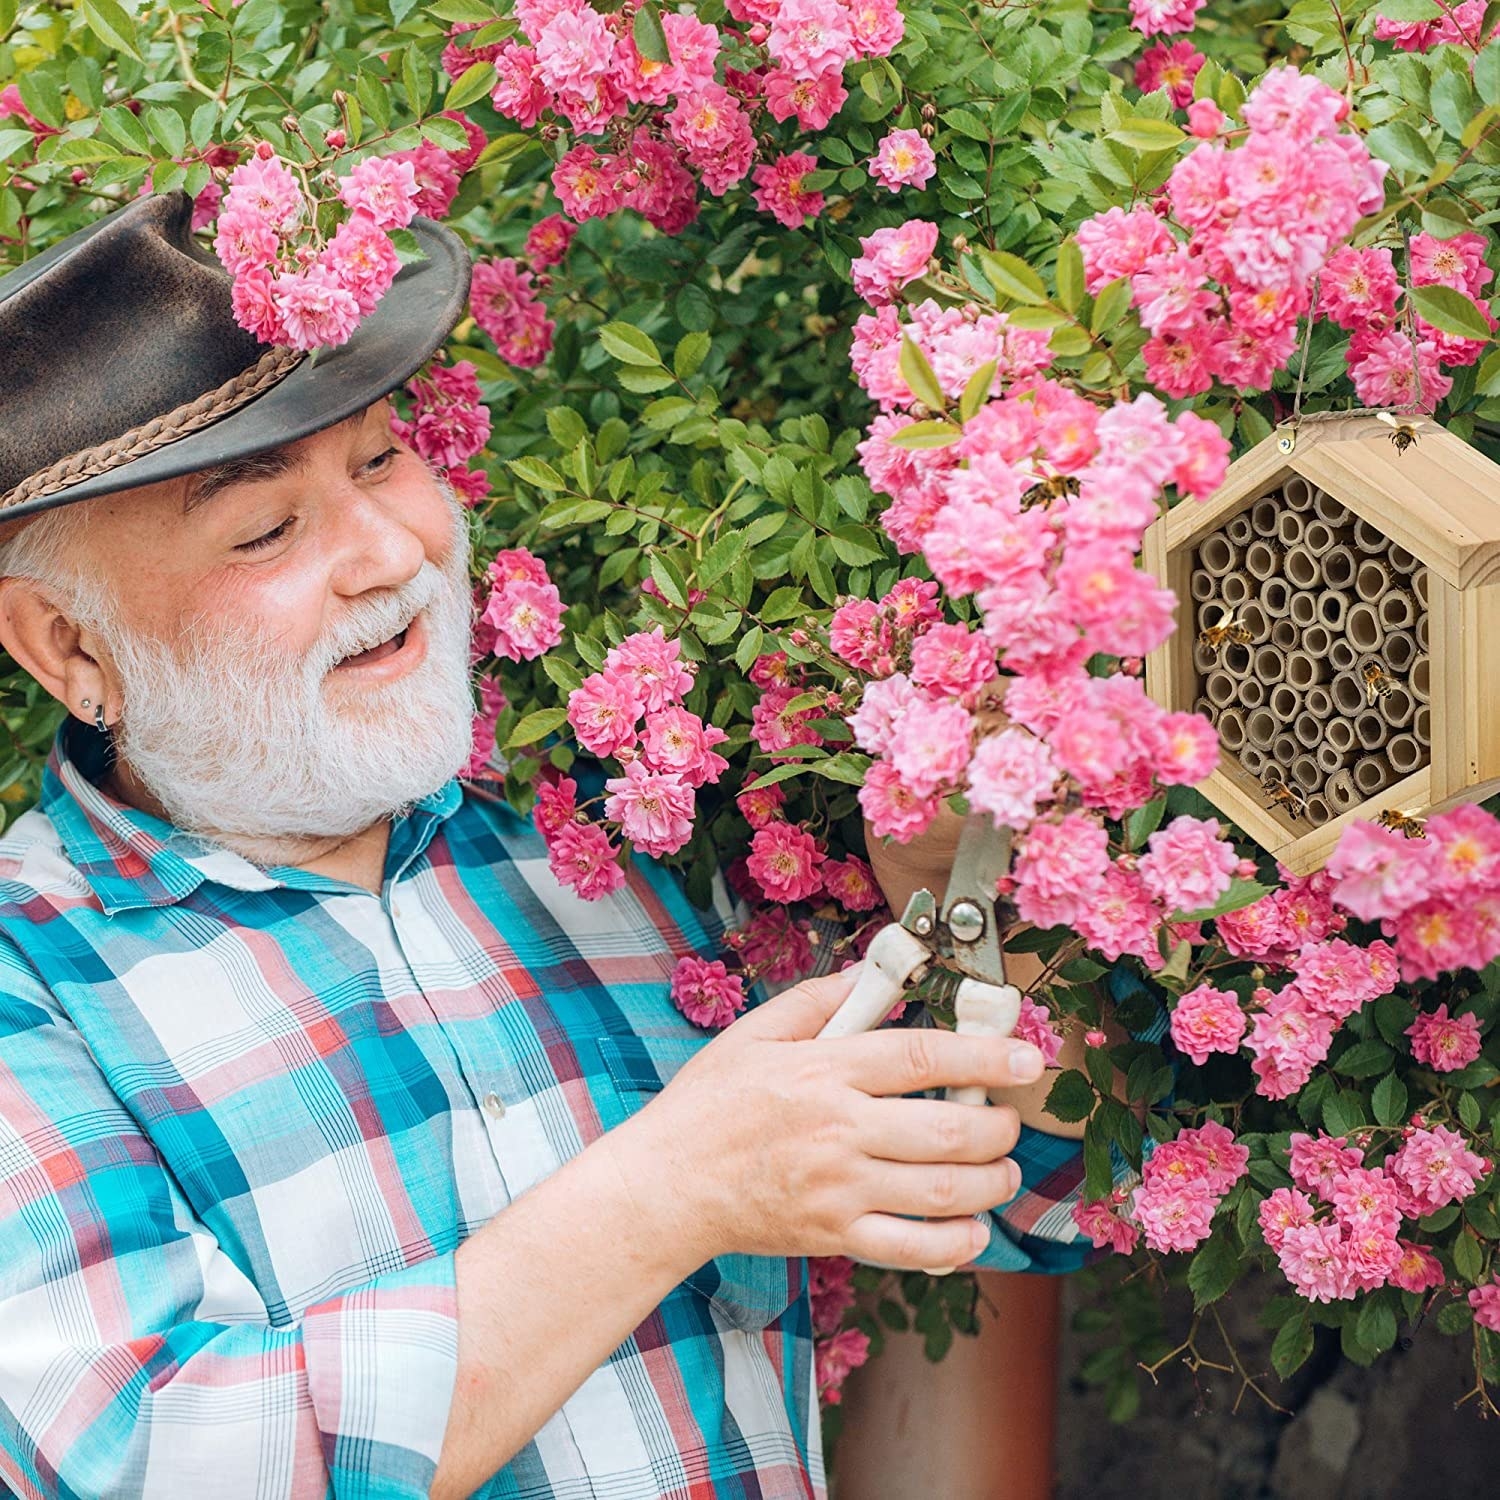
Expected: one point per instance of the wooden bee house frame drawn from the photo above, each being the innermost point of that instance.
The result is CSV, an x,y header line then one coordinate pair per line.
x,y
1439,499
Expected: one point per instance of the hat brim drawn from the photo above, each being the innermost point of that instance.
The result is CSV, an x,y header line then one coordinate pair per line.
x,y
406,328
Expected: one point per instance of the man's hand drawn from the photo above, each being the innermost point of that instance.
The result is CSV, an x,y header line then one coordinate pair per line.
x,y
772,1142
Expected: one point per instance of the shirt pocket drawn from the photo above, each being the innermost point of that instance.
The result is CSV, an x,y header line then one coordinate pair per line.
x,y
749,1291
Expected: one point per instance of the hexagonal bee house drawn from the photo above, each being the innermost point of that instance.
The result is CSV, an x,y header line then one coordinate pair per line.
x,y
1339,621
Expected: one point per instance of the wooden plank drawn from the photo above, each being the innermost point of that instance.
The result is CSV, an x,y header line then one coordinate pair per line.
x,y
1170,677
1455,684
1260,471
1311,851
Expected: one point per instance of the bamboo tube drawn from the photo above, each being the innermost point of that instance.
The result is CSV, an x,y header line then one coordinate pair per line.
x,y
1398,610
1339,567
1304,670
1328,510
1329,760
1284,634
1423,633
1304,771
1256,622
1372,579
1405,754
1218,554
1297,493
1319,702
1371,774
1421,726
1302,569
1236,660
1235,588
1211,612
1341,792
1318,809
1339,732
1231,727
1400,650
1252,693
1275,597
1261,728
1348,694
1268,664
1318,537
1221,689
1342,656
1421,586
1402,560
1317,641
1371,731
1289,528
1207,709
1285,703
1304,609
1205,659
1285,749
1253,760
1202,585
1332,607
1262,559
1239,530
1420,679
1362,626
1263,516
1369,538
1396,706
1308,728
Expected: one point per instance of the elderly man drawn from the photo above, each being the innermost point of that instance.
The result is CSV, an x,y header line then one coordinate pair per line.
x,y
341,1150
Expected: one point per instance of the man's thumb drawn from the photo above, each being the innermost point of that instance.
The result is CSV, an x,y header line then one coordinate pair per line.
x,y
803,1010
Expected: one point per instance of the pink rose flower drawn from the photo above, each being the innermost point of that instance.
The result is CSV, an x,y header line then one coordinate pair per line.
x,y
785,862
1207,1020
1444,1043
892,259
580,855
604,711
706,992
654,809
903,159
1189,865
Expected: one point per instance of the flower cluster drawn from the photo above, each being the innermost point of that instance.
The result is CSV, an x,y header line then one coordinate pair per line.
x,y
449,424
836,1350
1338,1231
293,287
1461,24
687,109
1151,17
504,302
1262,217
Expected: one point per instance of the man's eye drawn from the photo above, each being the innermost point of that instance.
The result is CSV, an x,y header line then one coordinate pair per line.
x,y
382,460
274,535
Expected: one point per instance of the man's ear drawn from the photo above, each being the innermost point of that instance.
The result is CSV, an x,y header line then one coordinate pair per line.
x,y
42,638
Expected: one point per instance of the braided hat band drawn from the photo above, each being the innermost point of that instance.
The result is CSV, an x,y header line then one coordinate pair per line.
x,y
271,368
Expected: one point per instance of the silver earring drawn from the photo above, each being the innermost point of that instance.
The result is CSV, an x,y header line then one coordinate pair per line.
x,y
99,723
87,703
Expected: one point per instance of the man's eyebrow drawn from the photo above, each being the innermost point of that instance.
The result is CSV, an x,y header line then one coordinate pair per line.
x,y
206,483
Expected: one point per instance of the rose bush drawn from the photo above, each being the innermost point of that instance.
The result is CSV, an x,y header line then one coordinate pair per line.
x,y
825,364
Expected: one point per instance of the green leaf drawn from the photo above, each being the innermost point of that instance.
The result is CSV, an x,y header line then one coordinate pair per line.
x,y
536,726
1487,74
1364,1059
967,123
1411,10
926,435
537,472
1455,1317
786,603
445,133
1144,821
472,84
1070,274
1487,381
1390,1101
1468,1258
748,648
649,37
1098,1173
566,426
977,389
1399,144
1012,277
1376,1323
629,345
721,556
167,127
1293,1343
1213,1269
919,375
692,350
1241,893
1343,1112
1451,311
1149,135
12,141
1072,1097
111,23
669,580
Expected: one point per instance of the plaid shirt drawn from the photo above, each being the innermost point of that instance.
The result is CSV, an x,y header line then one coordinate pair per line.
x,y
248,1115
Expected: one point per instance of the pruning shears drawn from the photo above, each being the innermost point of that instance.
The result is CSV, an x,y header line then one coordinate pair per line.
x,y
963,930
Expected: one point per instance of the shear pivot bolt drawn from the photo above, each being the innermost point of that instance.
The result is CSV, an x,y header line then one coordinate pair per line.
x,y
923,926
966,922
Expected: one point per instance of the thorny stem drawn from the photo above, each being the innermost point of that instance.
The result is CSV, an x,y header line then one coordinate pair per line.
x,y
1193,1357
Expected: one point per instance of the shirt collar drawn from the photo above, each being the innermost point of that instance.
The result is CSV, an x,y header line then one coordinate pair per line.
x,y
133,860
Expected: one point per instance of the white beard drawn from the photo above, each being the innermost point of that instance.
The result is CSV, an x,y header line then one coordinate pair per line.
x,y
239,742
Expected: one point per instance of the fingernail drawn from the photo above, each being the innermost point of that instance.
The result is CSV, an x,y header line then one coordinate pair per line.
x,y
1026,1062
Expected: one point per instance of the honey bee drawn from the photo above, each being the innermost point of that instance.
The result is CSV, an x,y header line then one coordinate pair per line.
x,y
1403,822
1403,433
1283,795
1377,684
1053,488
1228,630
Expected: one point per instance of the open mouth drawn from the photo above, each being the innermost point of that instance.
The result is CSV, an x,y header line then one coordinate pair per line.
x,y
377,653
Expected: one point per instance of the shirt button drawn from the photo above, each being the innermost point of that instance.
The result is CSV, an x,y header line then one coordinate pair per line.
x,y
494,1106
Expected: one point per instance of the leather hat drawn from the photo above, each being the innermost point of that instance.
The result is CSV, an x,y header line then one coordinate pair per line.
x,y
121,363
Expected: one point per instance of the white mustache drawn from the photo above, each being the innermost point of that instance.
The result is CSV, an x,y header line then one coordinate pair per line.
x,y
372,623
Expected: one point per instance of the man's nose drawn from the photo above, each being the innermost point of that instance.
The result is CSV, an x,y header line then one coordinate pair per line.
x,y
375,547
